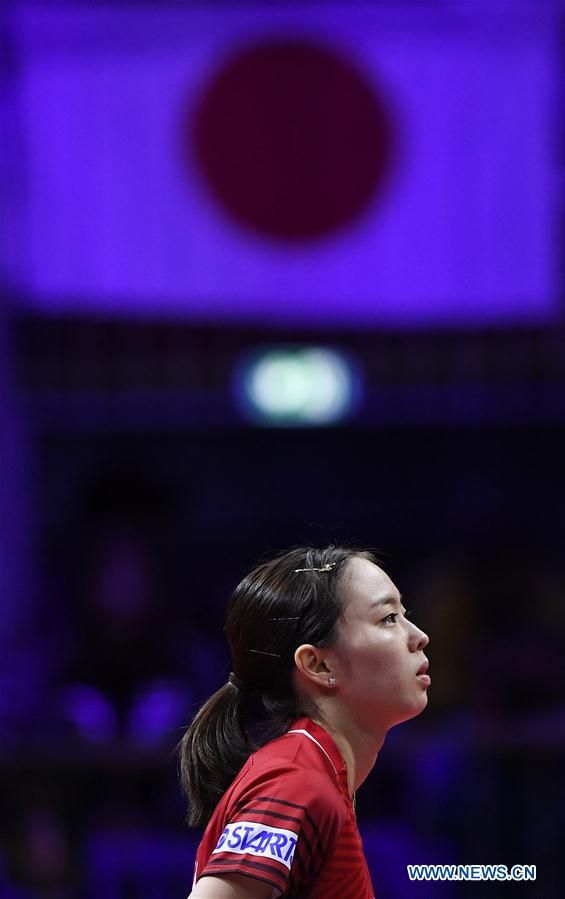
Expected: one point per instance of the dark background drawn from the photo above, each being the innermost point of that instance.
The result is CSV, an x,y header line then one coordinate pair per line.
x,y
136,492
141,529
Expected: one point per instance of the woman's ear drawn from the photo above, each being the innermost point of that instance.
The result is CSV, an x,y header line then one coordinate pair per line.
x,y
313,664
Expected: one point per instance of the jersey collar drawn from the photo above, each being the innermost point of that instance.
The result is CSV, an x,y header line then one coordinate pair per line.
x,y
314,732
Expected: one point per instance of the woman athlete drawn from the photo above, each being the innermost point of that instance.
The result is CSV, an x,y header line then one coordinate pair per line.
x,y
326,660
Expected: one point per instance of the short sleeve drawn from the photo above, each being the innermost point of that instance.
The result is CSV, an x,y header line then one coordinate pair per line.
x,y
280,830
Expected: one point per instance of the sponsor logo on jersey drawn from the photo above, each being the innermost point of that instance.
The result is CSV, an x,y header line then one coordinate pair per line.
x,y
250,838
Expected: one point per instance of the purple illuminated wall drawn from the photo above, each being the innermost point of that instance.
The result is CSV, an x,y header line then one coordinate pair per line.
x,y
121,216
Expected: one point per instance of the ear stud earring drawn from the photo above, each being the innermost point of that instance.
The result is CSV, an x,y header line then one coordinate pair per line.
x,y
332,681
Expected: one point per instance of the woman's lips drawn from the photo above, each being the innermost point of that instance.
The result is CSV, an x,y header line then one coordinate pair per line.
x,y
425,679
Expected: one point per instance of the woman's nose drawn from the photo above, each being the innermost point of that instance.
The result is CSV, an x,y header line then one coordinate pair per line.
x,y
419,639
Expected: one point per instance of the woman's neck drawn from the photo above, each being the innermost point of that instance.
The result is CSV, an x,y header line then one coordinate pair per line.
x,y
358,748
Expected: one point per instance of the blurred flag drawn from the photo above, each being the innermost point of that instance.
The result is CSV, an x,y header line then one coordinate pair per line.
x,y
418,192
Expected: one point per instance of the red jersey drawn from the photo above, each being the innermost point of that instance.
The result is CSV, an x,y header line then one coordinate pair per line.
x,y
288,820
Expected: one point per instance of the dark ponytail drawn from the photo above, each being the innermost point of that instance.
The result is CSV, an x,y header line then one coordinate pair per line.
x,y
214,748
274,610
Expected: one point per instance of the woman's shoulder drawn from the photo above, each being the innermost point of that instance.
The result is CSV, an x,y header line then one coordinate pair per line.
x,y
290,771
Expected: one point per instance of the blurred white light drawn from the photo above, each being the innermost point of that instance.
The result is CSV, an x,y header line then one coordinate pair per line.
x,y
298,386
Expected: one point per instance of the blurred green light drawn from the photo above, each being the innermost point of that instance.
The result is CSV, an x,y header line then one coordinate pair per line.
x,y
298,386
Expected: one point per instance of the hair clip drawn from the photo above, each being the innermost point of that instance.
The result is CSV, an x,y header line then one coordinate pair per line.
x,y
327,567
261,652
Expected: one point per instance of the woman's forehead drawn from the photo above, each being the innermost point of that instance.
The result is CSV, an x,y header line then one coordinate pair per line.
x,y
364,582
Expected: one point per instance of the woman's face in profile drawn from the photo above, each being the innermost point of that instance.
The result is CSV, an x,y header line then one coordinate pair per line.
x,y
379,653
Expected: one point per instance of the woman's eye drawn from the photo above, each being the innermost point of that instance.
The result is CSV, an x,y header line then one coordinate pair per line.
x,y
392,617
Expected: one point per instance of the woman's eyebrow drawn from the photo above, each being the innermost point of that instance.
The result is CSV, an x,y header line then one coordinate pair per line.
x,y
388,601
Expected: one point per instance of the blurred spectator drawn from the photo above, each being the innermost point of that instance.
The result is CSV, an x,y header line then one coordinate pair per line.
x,y
41,856
518,650
124,678
129,675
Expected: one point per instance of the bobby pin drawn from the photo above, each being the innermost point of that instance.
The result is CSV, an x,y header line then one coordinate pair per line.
x,y
296,618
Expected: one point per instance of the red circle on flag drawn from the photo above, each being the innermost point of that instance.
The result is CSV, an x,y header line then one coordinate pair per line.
x,y
292,139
